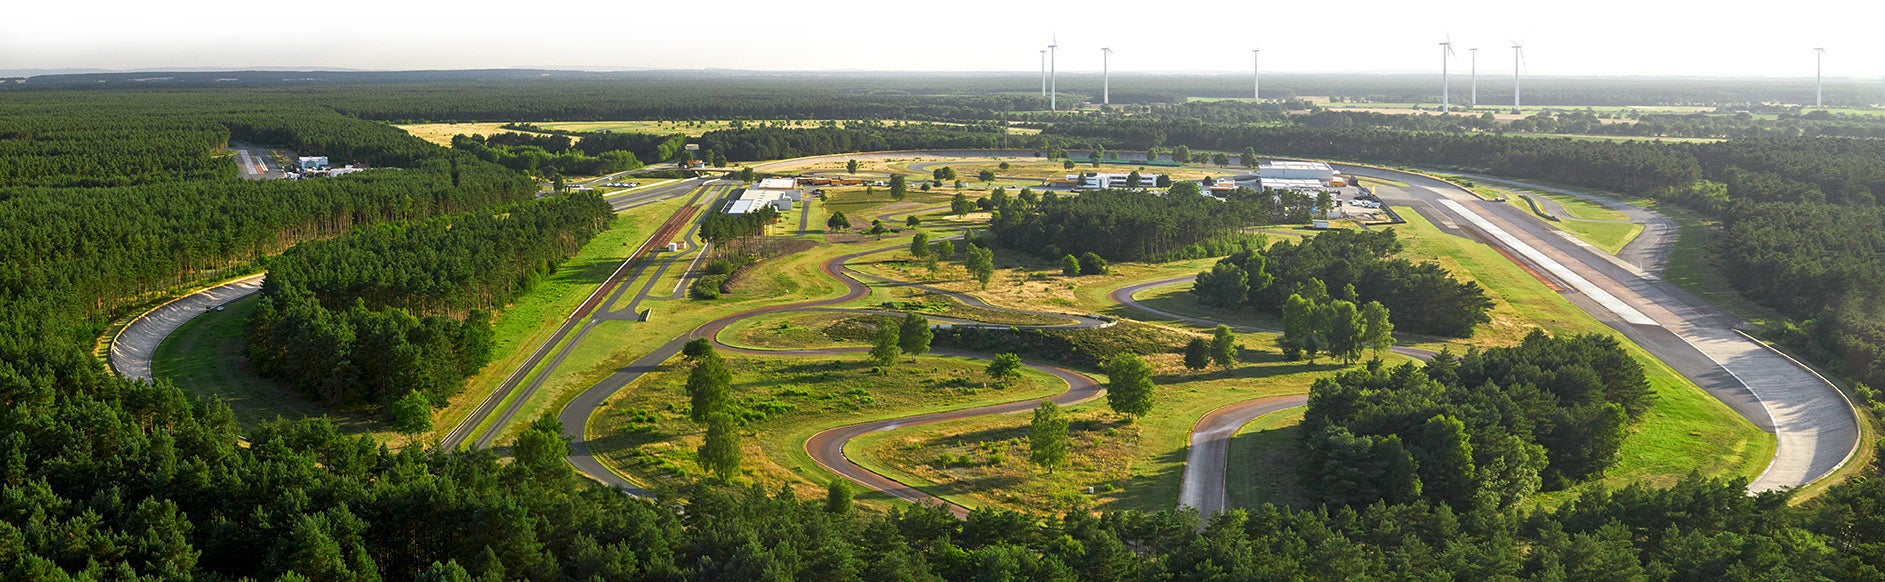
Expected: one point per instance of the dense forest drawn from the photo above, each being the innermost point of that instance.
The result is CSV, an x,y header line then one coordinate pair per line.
x,y
367,317
546,155
1124,225
1482,430
771,143
1422,297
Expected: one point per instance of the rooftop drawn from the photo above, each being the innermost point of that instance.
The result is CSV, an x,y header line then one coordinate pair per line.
x,y
777,184
1295,165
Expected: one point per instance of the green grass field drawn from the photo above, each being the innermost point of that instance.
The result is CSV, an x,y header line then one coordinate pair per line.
x,y
1687,430
1262,461
525,324
1135,466
644,431
206,359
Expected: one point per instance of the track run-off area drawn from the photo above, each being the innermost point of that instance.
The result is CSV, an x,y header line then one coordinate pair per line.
x,y
1816,428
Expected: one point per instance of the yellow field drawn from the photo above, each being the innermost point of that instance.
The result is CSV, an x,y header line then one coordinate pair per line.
x,y
441,133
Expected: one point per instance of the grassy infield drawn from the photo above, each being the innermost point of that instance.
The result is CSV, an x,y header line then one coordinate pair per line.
x,y
1131,466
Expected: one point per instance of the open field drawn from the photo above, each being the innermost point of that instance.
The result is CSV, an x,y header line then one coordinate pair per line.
x,y
1130,465
644,430
206,358
441,133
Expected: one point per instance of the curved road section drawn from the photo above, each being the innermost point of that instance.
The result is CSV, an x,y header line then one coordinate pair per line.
x,y
1816,428
135,347
1207,460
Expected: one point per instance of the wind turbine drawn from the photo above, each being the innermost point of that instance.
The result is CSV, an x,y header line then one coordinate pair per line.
x,y
1256,75
1518,57
1053,75
1446,54
1043,72
1819,79
1106,76
1475,52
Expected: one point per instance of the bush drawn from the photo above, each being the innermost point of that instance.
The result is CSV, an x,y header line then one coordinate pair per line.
x,y
707,288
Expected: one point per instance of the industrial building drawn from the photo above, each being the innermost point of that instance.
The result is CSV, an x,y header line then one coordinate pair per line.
x,y
1302,185
1295,170
753,198
312,162
1104,181
776,184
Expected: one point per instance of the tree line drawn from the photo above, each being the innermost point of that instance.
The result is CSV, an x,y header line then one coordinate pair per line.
x,y
1123,225
1360,267
382,312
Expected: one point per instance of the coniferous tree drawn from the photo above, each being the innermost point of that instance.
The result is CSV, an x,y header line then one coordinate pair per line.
x,y
885,343
914,335
1223,346
1129,385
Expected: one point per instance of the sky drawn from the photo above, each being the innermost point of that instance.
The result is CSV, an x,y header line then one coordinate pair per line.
x,y
1586,38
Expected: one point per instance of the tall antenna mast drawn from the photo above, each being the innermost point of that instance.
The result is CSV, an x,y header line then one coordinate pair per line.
x,y
1106,76
1518,57
1475,52
1446,54
1256,75
1819,79
1053,75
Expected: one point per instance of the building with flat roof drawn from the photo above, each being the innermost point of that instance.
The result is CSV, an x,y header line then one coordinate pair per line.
x,y
1296,170
1305,186
753,198
1104,181
312,162
777,184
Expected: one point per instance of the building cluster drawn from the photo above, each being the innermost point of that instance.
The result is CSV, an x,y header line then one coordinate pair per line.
x,y
779,193
317,166
1305,177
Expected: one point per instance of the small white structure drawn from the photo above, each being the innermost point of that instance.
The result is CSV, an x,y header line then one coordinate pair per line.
x,y
1295,170
312,162
1105,181
777,184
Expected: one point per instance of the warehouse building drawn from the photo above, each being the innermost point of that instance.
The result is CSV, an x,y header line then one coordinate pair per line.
x,y
754,198
1295,170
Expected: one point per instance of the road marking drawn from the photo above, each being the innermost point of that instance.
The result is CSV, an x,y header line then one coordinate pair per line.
x,y
1563,273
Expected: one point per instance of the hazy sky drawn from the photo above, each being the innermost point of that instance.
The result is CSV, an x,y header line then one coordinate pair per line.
x,y
1590,37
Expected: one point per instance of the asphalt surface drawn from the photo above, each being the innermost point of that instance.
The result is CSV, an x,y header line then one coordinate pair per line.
x,y
254,163
825,448
1816,428
135,347
1647,253
1207,462
577,323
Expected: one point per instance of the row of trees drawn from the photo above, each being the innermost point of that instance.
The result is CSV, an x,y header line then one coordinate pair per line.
x,y
1423,297
1334,326
1124,225
387,311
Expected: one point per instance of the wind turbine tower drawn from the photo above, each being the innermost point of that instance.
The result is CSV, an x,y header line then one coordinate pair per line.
x,y
1053,75
1256,75
1518,57
1819,79
1106,76
1475,52
1446,54
1043,72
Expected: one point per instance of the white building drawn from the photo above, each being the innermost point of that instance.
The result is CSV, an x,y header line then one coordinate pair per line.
x,y
1104,181
312,162
1295,170
1302,185
777,184
753,198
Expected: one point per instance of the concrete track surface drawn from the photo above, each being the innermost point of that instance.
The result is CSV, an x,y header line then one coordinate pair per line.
x,y
135,347
1816,428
